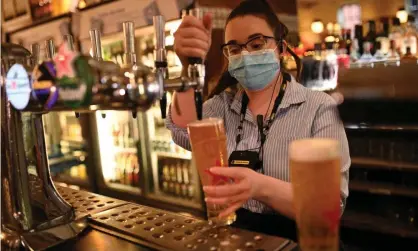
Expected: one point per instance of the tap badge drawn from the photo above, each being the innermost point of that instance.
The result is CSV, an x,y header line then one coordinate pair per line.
x,y
75,78
18,86
45,90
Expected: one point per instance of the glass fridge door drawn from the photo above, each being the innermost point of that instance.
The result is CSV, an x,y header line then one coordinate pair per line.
x,y
173,174
119,150
66,149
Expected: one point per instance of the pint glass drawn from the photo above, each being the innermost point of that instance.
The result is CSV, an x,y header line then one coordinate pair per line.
x,y
208,141
315,176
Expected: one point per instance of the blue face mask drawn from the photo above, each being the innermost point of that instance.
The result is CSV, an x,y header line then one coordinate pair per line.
x,y
255,70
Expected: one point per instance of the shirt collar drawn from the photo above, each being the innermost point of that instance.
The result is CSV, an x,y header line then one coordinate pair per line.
x,y
295,94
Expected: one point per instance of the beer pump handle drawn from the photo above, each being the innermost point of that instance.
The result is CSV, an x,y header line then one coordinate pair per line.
x,y
35,50
129,43
50,49
70,41
96,44
196,12
163,105
161,61
196,72
198,99
96,47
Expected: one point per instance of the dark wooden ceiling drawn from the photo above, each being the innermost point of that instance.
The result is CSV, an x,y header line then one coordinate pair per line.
x,y
280,6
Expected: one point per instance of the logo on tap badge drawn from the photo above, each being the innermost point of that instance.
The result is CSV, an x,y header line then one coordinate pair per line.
x,y
43,84
75,77
18,86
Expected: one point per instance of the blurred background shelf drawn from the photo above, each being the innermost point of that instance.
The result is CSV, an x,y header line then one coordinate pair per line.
x,y
383,189
377,163
370,222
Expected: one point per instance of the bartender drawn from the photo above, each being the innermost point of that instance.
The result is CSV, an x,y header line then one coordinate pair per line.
x,y
269,110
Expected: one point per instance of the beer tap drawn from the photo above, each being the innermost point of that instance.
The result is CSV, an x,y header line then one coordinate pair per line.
x,y
50,49
33,208
96,45
196,71
35,54
141,86
70,43
161,61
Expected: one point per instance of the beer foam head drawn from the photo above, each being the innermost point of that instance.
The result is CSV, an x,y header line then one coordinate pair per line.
x,y
314,149
206,122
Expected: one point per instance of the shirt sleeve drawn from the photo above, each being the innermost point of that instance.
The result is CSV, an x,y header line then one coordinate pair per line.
x,y
327,124
213,108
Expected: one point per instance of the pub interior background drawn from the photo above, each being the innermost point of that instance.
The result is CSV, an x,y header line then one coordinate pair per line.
x,y
348,47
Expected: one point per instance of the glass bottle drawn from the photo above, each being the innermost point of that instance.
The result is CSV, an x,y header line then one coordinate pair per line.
x,y
367,55
396,34
410,37
383,36
393,54
379,55
371,36
358,36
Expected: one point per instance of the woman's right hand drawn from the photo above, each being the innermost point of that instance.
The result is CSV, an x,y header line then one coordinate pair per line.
x,y
193,38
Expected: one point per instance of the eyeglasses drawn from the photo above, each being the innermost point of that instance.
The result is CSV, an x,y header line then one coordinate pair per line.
x,y
258,43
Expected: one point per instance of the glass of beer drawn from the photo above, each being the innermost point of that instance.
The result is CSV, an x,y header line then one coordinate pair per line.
x,y
208,141
315,176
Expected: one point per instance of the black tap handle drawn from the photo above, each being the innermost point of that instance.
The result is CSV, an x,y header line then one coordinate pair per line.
x,y
77,115
195,60
199,104
163,105
134,114
103,115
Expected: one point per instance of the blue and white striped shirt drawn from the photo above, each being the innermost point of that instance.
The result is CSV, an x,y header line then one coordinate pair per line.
x,y
303,113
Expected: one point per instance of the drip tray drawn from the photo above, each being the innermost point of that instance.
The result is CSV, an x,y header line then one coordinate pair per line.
x,y
169,231
86,203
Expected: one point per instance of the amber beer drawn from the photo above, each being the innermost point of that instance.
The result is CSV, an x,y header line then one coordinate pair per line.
x,y
208,141
315,176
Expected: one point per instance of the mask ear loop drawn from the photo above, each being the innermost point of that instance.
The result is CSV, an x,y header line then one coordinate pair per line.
x,y
298,61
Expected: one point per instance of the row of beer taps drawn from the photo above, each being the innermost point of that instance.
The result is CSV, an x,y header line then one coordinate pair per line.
x,y
131,86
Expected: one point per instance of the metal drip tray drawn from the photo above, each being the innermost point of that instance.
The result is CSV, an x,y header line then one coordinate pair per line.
x,y
168,231
86,203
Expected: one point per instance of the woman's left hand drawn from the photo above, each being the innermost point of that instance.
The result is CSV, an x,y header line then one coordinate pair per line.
x,y
247,184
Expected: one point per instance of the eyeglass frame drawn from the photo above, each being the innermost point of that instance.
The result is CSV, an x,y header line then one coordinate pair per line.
x,y
246,43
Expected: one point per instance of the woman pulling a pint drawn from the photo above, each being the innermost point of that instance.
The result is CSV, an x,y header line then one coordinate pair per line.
x,y
262,194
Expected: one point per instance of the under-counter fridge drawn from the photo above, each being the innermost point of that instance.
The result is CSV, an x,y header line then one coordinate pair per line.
x,y
174,176
68,141
136,157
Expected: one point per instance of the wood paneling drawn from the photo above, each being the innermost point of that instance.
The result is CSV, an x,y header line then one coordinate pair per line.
x,y
280,6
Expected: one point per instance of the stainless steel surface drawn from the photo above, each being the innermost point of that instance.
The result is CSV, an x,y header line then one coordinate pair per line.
x,y
129,43
50,49
96,44
175,232
85,203
159,26
163,230
30,202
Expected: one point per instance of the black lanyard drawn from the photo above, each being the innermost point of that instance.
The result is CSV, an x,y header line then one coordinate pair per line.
x,y
277,102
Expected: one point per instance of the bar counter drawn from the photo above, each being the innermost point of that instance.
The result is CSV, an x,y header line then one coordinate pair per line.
x,y
119,225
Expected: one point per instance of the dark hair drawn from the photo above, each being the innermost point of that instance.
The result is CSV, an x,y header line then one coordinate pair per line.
x,y
262,9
